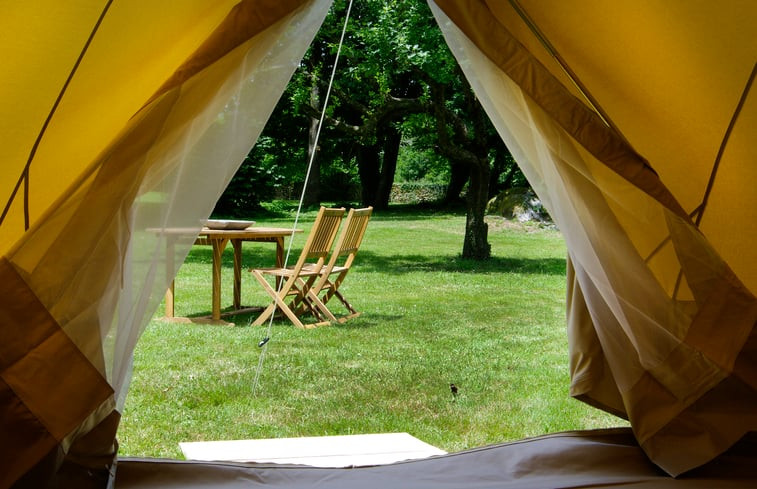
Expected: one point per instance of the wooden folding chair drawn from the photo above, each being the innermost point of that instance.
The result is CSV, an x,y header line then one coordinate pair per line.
x,y
339,264
297,280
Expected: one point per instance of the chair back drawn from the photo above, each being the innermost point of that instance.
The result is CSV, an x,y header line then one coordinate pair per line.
x,y
322,235
351,238
352,235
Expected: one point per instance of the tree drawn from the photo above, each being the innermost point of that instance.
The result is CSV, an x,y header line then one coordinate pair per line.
x,y
465,143
373,93
395,76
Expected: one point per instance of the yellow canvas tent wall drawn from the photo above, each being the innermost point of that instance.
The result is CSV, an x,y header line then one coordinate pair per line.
x,y
633,121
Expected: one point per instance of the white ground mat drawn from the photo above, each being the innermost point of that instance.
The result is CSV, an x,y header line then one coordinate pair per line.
x,y
319,451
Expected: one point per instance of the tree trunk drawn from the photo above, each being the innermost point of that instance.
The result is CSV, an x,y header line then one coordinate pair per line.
x,y
476,244
312,192
369,164
459,174
392,142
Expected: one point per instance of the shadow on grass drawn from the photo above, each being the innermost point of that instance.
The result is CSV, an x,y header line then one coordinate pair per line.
x,y
398,264
244,320
368,320
368,261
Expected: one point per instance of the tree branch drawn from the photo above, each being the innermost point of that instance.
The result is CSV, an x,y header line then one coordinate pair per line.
x,y
442,114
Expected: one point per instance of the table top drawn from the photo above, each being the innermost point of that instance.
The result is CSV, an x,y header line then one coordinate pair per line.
x,y
259,232
251,232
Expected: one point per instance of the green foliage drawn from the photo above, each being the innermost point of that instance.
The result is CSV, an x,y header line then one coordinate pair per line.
x,y
418,159
495,328
426,165
252,184
387,44
278,159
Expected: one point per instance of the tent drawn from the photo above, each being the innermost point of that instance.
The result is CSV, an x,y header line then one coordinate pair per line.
x,y
633,121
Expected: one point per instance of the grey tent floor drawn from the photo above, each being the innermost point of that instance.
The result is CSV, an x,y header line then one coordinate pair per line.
x,y
596,459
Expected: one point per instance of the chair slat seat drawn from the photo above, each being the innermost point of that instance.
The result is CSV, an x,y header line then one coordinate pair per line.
x,y
287,272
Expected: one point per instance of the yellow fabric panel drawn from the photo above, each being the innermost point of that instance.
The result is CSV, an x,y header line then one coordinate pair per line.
x,y
730,218
494,40
244,21
37,52
508,16
86,261
669,74
136,48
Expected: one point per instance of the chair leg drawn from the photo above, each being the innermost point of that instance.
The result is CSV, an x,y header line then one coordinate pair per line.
x,y
278,300
306,300
291,315
300,303
331,291
313,298
344,301
263,315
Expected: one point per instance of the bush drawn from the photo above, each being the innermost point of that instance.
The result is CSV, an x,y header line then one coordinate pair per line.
x,y
416,192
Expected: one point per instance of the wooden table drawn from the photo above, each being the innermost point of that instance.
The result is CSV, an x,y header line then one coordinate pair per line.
x,y
218,239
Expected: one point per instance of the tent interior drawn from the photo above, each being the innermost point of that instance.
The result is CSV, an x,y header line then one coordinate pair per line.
x,y
633,120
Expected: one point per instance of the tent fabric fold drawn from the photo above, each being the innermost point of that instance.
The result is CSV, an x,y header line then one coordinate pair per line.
x,y
658,317
579,120
596,459
245,20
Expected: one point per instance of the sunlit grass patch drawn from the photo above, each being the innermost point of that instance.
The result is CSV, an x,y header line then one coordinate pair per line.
x,y
494,328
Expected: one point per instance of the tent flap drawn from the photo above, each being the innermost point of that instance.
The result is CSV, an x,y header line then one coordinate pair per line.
x,y
661,308
142,116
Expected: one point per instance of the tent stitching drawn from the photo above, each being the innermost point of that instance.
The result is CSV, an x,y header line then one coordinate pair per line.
x,y
700,210
25,172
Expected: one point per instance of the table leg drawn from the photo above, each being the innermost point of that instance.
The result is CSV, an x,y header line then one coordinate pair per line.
x,y
169,300
279,259
237,244
170,272
218,247
279,252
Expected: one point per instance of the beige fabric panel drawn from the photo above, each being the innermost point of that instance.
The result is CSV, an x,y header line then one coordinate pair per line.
x,y
658,320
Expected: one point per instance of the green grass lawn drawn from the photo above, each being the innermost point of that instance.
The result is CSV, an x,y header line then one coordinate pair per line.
x,y
496,329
